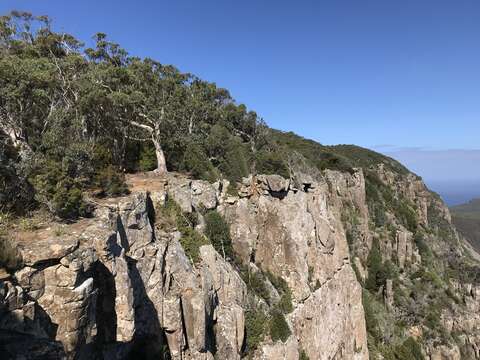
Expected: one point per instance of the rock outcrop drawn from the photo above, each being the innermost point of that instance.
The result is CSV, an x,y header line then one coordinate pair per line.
x,y
121,285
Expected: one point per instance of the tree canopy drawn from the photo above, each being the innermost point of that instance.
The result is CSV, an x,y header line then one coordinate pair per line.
x,y
70,115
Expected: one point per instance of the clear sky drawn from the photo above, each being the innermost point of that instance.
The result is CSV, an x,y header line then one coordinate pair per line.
x,y
376,73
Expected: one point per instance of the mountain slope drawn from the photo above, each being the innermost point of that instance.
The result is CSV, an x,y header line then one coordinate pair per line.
x,y
466,218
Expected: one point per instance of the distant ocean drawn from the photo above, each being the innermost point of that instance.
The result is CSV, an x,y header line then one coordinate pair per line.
x,y
455,192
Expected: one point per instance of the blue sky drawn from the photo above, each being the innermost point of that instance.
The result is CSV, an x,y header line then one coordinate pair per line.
x,y
381,74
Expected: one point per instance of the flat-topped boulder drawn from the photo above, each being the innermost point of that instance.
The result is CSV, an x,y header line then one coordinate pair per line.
x,y
51,243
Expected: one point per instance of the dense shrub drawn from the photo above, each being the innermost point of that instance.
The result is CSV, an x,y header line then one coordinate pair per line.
x,y
196,162
59,192
303,355
409,350
67,202
111,182
272,163
147,159
10,257
370,316
218,231
16,193
232,189
255,327
191,240
423,248
278,326
375,269
235,165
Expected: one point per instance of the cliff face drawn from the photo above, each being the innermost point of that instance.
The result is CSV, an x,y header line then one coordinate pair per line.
x,y
127,284
121,285
426,286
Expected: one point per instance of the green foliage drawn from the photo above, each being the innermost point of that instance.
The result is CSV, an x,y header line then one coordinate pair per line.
x,y
285,304
191,240
381,198
433,317
278,326
196,162
409,350
235,164
303,355
111,182
147,159
59,192
423,249
91,108
67,202
255,282
218,231
255,327
16,193
370,316
376,275
272,163
232,189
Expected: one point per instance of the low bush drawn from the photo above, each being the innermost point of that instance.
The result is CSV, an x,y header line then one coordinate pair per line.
x,y
278,326
67,202
60,193
111,182
370,316
409,350
255,282
303,355
232,189
196,162
235,165
255,326
218,231
272,163
285,304
191,240
376,276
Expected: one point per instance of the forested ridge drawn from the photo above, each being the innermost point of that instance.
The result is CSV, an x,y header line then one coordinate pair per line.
x,y
74,118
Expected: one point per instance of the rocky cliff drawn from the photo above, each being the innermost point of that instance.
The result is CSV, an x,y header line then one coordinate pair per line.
x,y
325,265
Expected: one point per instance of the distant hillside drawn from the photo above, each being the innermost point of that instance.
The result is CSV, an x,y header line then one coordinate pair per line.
x,y
467,220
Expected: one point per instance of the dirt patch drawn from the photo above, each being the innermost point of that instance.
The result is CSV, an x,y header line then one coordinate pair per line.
x,y
146,182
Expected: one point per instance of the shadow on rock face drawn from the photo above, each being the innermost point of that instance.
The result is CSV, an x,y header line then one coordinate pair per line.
x,y
106,316
149,341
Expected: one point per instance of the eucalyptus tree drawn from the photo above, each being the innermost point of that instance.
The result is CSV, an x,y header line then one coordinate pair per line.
x,y
247,126
205,102
159,102
33,81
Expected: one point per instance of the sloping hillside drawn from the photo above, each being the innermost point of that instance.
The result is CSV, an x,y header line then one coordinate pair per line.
x,y
466,218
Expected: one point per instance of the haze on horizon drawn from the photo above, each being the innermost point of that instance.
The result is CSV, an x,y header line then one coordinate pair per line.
x,y
367,73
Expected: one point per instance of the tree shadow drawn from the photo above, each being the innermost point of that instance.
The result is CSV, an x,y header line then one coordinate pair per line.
x,y
149,340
